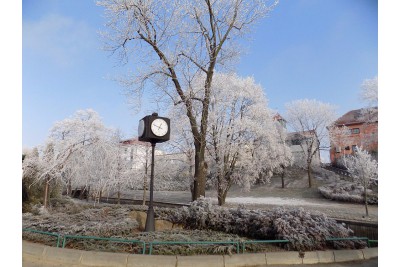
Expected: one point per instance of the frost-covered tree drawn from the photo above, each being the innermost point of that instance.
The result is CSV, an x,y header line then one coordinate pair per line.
x,y
102,169
72,138
33,166
48,159
35,169
369,91
244,145
80,152
369,95
285,154
171,172
311,118
363,168
175,41
140,174
181,143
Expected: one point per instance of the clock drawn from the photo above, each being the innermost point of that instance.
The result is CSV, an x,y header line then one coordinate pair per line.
x,y
159,127
141,128
154,129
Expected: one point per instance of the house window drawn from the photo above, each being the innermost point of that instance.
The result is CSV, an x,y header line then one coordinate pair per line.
x,y
296,142
355,131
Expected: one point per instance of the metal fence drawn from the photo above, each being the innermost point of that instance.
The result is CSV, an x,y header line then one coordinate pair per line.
x,y
150,245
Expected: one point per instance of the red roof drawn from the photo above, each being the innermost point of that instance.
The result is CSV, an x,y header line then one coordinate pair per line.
x,y
278,117
358,116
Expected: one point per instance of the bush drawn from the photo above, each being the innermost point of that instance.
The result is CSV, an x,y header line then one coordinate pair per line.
x,y
348,192
103,221
304,230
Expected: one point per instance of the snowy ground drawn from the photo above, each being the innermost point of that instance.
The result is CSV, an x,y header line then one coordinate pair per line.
x,y
278,201
295,194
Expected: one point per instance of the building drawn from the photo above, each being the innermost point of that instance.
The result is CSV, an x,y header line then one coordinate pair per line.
x,y
298,143
277,117
138,152
357,127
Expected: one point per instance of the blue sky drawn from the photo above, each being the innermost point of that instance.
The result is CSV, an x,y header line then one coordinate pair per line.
x,y
305,49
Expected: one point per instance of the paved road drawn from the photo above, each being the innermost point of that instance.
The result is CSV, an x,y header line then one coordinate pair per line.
x,y
365,263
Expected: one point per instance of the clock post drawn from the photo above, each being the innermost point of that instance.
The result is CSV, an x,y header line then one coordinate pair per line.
x,y
153,129
150,224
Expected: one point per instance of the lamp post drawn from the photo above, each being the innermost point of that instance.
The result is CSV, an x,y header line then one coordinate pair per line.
x,y
153,129
150,224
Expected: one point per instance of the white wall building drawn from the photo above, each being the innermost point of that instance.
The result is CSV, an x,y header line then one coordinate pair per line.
x,y
138,152
297,143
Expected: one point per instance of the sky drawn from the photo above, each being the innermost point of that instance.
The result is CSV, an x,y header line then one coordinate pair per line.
x,y
312,49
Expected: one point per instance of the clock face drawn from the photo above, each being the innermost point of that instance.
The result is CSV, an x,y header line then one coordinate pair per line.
x,y
159,127
141,128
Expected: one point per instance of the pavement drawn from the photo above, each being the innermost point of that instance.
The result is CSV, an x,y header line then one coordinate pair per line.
x,y
35,255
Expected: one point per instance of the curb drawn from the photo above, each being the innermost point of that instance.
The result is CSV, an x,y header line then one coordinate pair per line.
x,y
44,255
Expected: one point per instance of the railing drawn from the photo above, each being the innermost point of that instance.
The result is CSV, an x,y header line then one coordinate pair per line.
x,y
337,170
44,233
372,242
237,244
118,240
365,229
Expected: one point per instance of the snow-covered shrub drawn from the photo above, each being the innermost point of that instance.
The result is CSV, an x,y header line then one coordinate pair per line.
x,y
347,191
104,221
304,230
39,210
116,222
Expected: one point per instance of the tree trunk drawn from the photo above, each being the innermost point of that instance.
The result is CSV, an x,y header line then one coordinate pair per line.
x,y
88,194
46,193
69,188
224,183
366,199
144,196
82,193
200,143
283,177
221,198
119,197
309,172
25,192
199,186
220,190
191,181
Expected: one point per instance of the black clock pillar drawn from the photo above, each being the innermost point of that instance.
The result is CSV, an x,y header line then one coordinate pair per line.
x,y
150,224
153,129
